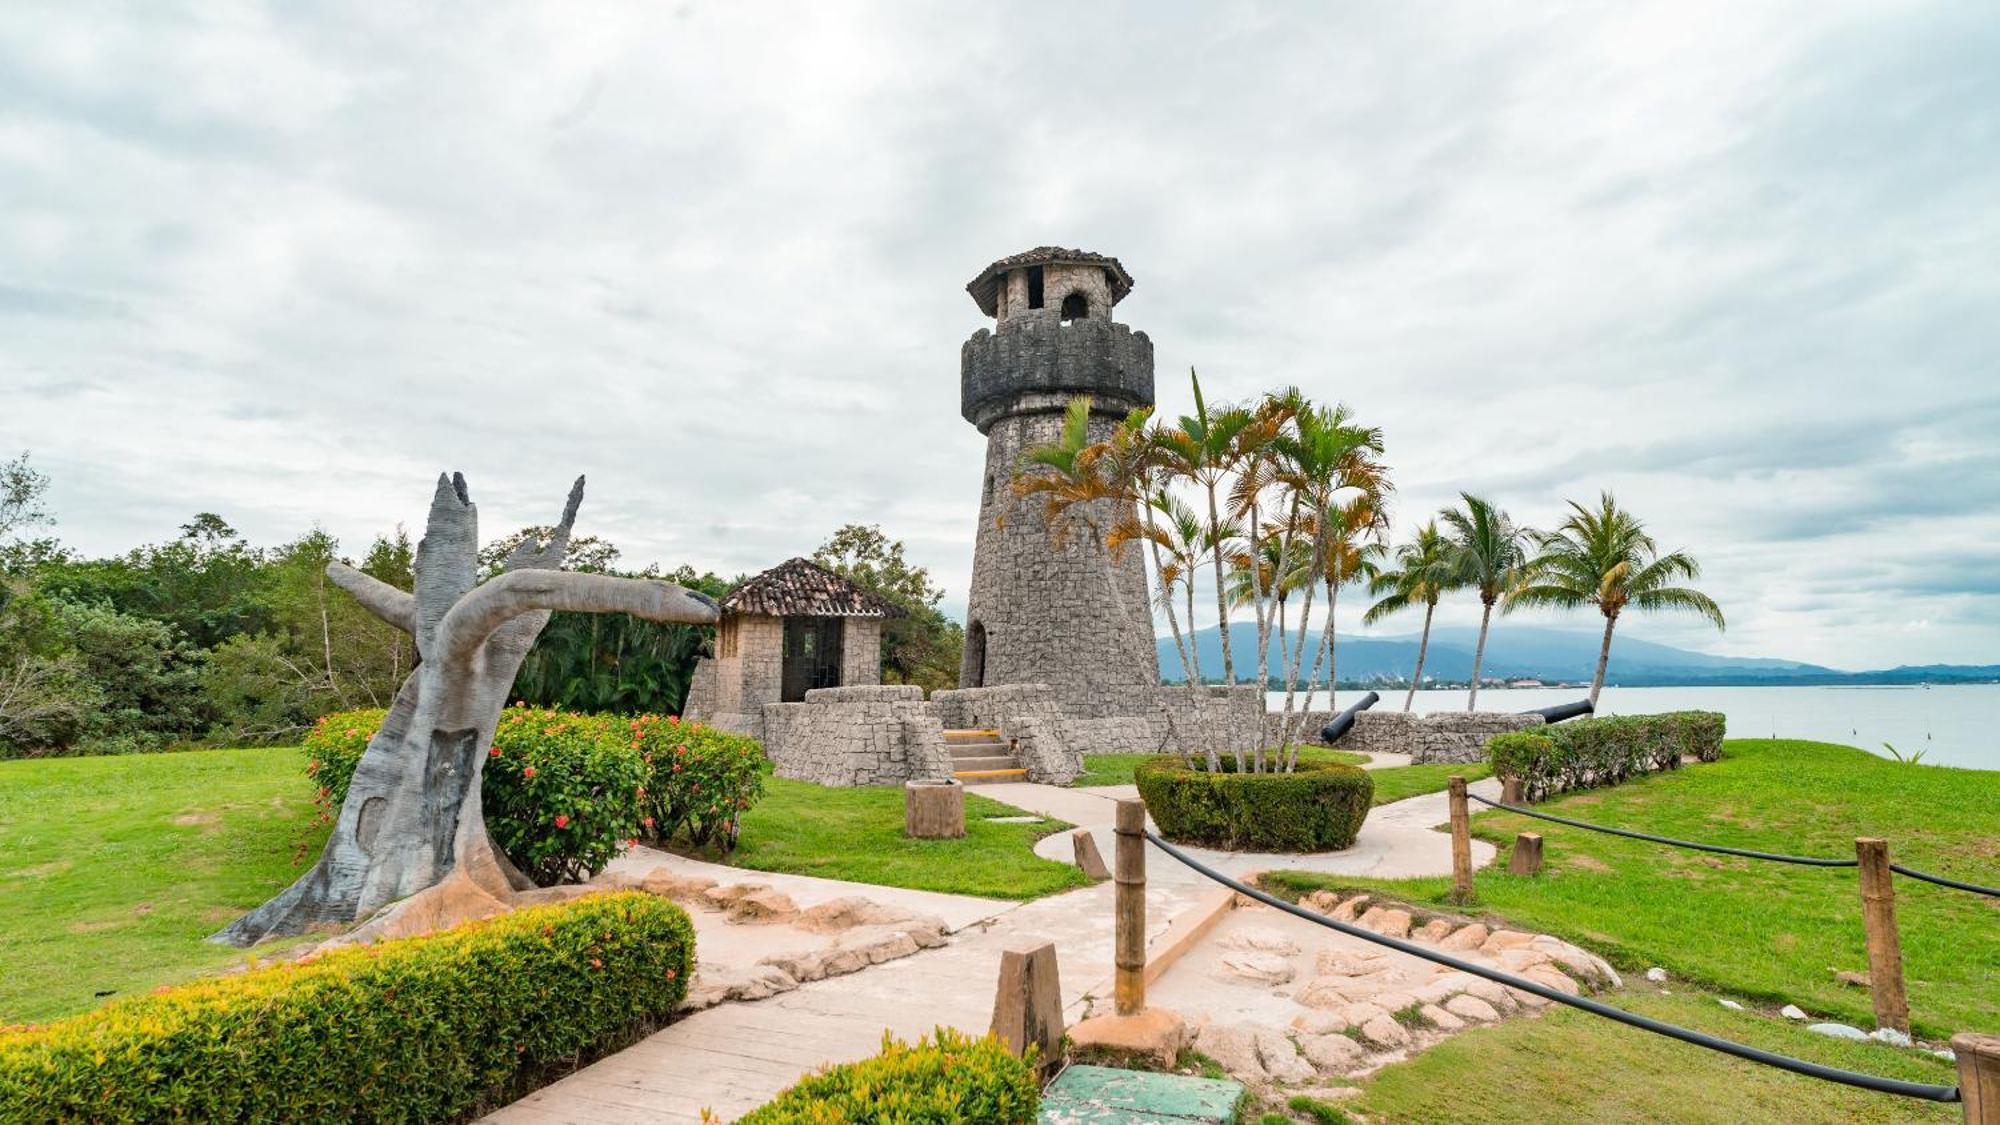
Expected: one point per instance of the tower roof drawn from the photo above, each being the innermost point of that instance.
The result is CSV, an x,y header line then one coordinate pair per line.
x,y
803,588
985,287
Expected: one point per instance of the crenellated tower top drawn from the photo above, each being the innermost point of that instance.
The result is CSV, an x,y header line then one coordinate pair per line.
x,y
1053,339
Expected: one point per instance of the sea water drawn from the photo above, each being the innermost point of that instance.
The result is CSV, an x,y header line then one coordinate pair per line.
x,y
1951,725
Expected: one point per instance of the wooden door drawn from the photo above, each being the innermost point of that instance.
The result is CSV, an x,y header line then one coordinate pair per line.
x,y
812,655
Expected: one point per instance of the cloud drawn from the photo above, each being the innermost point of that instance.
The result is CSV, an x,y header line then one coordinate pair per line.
x,y
287,264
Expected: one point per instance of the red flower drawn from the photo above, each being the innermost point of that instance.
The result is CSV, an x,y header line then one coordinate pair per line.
x,y
671,974
596,964
677,767
632,843
648,822
493,753
562,820
527,771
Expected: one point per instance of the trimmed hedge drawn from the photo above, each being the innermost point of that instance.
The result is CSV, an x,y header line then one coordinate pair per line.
x,y
425,1029
564,792
949,1078
1588,753
1318,808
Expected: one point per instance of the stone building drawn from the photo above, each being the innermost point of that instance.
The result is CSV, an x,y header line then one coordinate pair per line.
x,y
1049,608
795,628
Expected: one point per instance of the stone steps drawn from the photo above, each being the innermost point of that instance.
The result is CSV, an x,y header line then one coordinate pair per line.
x,y
978,757
990,777
977,749
972,735
964,765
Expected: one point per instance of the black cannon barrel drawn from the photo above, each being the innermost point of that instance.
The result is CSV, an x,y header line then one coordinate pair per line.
x,y
1345,719
1563,711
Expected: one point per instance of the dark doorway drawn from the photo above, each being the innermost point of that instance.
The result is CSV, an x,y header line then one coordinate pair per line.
x,y
1034,287
1075,307
975,655
812,656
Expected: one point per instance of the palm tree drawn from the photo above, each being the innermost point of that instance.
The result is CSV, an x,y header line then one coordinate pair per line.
x,y
1282,565
1604,557
1489,551
1423,572
1353,553
1203,449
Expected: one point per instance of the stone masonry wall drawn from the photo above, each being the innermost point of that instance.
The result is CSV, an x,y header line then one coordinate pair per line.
x,y
877,735
1027,716
860,651
1440,737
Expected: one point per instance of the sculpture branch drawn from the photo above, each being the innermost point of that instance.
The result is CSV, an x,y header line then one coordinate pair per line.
x,y
494,603
379,598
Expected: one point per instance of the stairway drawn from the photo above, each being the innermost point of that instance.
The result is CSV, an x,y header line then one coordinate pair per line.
x,y
978,757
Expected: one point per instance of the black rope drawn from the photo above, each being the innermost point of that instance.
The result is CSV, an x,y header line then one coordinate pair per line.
x,y
1809,861
1673,1031
1944,882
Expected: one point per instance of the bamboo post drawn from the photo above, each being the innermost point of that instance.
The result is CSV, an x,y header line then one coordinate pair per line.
x,y
1027,1003
1461,843
1885,948
1527,857
1978,1076
1130,957
1510,790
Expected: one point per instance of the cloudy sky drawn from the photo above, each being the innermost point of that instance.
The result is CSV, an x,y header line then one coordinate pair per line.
x,y
1740,263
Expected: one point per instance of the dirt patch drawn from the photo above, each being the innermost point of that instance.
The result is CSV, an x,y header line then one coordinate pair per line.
x,y
44,870
97,927
1585,863
208,822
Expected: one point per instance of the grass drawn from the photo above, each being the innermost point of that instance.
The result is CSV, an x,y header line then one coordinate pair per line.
x,y
1395,783
1116,769
113,869
857,834
1570,1066
1762,931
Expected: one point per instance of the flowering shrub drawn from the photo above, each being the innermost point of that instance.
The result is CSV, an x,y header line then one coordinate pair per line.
x,y
952,1077
701,779
564,792
424,1029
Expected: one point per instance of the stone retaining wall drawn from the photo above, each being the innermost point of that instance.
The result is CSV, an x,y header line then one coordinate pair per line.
x,y
882,735
1442,737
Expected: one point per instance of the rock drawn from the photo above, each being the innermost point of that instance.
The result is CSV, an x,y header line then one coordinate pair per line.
x,y
545,896
1258,968
1792,1012
928,933
1349,910
1439,1018
1858,980
1233,1046
848,912
1392,923
1325,993
1551,976
1330,1054
1466,938
1281,1057
761,907
1657,975
1260,939
1578,962
840,962
1731,1005
1445,987
763,981
1498,995
1890,1036
1520,960
1838,1031
1528,999
1322,901
1472,1008
721,898
1385,1032
888,947
1319,1022
1391,1001
1361,1014
1347,963
802,966
1434,931
1505,939
1155,1032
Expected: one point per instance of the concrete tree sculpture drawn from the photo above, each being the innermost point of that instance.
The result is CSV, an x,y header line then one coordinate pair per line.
x,y
411,835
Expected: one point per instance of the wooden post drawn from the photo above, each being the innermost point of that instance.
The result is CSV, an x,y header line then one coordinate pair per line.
x,y
1527,857
1978,1076
1885,948
1027,1003
1461,844
1510,790
1130,950
933,810
1088,859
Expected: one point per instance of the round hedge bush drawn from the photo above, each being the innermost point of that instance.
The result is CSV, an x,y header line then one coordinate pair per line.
x,y
1319,808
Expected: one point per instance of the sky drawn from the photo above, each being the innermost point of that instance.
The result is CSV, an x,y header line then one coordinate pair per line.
x,y
1737,263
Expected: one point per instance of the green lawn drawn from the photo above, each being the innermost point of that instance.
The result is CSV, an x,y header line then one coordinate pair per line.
x,y
1394,783
1763,931
1570,1066
113,869
857,834
1116,769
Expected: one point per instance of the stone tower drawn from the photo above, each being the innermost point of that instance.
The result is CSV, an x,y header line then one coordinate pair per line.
x,y
1070,616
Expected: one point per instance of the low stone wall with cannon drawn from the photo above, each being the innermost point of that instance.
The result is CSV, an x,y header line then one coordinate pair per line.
x,y
1441,737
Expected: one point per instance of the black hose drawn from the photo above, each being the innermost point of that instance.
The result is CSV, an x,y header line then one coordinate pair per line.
x,y
1644,1023
1944,882
1809,861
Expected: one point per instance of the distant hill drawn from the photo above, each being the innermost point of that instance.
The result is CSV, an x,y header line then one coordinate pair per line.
x,y
1547,654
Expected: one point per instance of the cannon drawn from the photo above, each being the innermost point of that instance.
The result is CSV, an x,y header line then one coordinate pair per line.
x,y
1345,719
1563,711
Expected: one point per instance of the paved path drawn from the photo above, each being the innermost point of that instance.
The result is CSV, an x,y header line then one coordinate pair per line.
x,y
734,1057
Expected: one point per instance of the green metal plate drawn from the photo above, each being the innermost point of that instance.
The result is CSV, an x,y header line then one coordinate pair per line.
x,y
1101,1095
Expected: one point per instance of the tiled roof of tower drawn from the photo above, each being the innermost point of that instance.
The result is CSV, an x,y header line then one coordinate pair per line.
x,y
985,288
803,588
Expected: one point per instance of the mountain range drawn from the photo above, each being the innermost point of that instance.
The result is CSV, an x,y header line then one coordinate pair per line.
x,y
1552,655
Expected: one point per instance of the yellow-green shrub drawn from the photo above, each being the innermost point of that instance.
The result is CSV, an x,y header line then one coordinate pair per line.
x,y
423,1029
1318,808
950,1077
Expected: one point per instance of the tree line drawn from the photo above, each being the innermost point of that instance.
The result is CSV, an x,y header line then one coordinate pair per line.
x,y
209,639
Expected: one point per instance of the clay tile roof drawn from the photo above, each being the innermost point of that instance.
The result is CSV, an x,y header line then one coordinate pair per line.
x,y
803,588
985,287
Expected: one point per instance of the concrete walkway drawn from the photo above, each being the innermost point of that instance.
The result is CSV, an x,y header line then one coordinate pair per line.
x,y
734,1057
